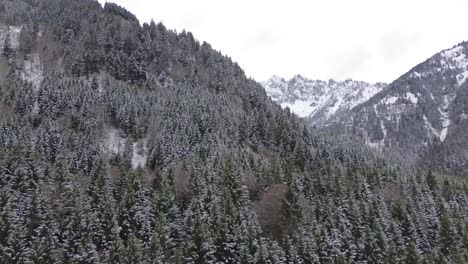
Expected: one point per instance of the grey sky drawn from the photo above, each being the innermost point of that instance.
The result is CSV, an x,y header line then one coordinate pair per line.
x,y
369,40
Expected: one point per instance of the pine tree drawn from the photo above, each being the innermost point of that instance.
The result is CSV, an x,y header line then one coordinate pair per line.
x,y
35,218
15,250
227,229
39,230
7,48
165,214
102,208
5,223
117,249
411,254
134,214
154,254
276,253
43,250
370,247
458,257
76,242
199,246
445,236
86,253
292,210
133,252
291,253
26,39
431,180
251,246
391,256
340,260
263,253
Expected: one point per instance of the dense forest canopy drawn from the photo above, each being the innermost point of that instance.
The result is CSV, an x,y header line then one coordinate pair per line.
x,y
129,143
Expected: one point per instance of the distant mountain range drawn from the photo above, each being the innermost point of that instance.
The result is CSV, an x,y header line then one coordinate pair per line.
x,y
422,115
319,101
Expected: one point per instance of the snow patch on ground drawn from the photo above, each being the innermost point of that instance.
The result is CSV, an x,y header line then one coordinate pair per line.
x,y
455,58
14,35
374,145
334,108
430,127
139,154
444,116
300,108
412,98
452,52
416,75
114,142
33,71
390,100
460,60
380,144
444,131
384,131
36,108
461,78
375,109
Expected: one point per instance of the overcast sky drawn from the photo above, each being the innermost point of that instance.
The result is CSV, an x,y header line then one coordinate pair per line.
x,y
369,40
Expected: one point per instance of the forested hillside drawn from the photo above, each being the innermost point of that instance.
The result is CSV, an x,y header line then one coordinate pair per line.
x,y
129,143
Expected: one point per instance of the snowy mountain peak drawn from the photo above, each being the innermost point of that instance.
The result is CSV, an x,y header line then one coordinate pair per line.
x,y
430,88
455,53
318,100
277,78
422,114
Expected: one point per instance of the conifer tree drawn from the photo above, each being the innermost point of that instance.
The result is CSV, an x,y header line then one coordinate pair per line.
x,y
431,180
166,214
117,250
446,236
199,245
102,208
15,249
42,250
154,253
411,254
292,210
133,252
7,48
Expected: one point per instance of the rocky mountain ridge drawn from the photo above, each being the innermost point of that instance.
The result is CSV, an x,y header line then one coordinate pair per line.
x,y
420,115
316,100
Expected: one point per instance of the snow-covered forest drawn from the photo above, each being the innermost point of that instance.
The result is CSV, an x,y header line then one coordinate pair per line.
x,y
122,143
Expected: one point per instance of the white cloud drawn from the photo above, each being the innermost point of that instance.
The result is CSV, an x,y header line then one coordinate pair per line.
x,y
369,40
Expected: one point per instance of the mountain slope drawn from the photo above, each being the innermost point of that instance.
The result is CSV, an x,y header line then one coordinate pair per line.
x,y
129,143
422,112
319,101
